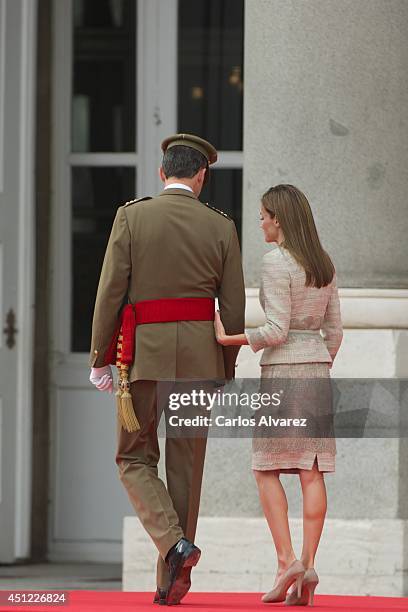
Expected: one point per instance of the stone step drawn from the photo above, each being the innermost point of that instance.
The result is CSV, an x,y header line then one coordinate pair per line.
x,y
355,557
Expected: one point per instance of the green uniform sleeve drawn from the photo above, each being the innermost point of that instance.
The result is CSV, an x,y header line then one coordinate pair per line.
x,y
112,288
231,299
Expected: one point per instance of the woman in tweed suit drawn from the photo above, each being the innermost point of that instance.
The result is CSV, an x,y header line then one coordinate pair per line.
x,y
300,339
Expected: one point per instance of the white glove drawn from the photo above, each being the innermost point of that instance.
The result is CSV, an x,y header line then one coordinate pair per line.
x,y
102,378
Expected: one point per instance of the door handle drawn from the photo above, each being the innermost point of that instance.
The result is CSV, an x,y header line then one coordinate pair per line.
x,y
10,330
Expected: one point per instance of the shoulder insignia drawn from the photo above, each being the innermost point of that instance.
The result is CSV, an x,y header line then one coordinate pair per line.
x,y
220,212
137,200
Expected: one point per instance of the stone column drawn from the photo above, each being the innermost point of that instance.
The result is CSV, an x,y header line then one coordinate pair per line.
x,y
326,93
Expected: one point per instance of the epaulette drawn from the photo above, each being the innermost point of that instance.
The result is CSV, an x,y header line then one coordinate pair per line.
x,y
137,200
220,212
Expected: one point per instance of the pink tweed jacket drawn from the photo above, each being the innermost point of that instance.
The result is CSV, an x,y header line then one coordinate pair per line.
x,y
303,324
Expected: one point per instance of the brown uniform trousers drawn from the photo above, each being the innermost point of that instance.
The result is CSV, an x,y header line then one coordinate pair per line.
x,y
168,246
166,514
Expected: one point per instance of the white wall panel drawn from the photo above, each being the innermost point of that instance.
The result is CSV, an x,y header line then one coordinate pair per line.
x,y
2,85
85,446
1,449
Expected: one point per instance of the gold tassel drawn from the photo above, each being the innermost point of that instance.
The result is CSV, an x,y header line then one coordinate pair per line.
x,y
118,395
126,412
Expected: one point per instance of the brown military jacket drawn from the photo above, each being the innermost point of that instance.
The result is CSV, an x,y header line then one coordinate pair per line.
x,y
171,246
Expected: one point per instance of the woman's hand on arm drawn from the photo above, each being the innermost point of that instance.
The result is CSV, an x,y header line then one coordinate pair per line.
x,y
219,328
223,338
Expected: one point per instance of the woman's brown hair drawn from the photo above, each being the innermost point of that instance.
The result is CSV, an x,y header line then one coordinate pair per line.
x,y
291,208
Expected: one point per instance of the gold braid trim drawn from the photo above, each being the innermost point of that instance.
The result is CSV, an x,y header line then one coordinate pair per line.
x,y
124,403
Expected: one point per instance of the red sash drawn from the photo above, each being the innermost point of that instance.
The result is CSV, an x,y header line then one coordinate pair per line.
x,y
154,311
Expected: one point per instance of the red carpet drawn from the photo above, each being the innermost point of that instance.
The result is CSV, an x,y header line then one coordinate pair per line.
x,y
96,601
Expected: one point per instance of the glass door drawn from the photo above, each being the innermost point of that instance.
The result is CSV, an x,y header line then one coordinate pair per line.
x,y
96,168
127,73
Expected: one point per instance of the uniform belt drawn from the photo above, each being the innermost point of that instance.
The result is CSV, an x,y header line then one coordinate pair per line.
x,y
167,310
121,350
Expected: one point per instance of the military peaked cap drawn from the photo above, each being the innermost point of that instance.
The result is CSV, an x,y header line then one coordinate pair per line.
x,y
194,142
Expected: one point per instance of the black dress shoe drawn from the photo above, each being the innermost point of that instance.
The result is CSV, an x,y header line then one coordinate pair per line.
x,y
160,597
184,584
180,559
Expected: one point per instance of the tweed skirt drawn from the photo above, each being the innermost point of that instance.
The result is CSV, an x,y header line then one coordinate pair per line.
x,y
290,454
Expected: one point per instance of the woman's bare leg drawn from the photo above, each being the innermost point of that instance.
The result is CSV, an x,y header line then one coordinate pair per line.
x,y
275,506
314,512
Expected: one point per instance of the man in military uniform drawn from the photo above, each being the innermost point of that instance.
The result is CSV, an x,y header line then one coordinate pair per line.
x,y
169,248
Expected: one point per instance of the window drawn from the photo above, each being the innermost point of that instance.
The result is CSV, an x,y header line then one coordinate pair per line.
x,y
103,113
122,90
210,91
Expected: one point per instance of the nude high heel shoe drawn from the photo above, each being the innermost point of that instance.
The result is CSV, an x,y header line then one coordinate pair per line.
x,y
294,573
308,586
